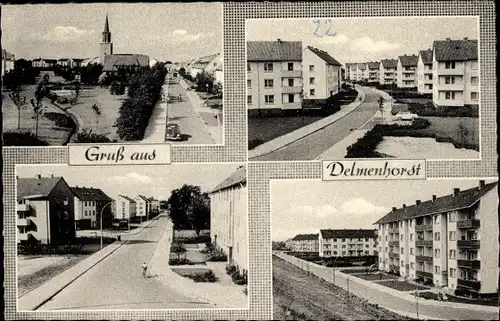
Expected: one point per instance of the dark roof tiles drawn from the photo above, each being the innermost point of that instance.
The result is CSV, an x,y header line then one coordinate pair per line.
x,y
40,187
459,50
426,56
409,61
306,237
389,63
347,234
238,177
274,50
90,194
111,62
324,56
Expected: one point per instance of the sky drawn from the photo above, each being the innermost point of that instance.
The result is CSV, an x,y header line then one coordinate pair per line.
x,y
306,206
364,39
164,31
150,181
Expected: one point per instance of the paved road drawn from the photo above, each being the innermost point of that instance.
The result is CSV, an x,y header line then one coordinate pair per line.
x,y
312,146
183,113
117,282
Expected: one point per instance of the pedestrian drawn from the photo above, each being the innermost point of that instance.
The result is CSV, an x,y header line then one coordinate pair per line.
x,y
144,269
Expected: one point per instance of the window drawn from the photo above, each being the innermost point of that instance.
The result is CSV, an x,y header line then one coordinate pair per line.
x,y
453,254
248,67
66,215
335,253
436,219
449,95
449,80
249,99
411,236
473,65
436,236
449,65
312,92
311,68
290,82
335,240
411,223
343,252
453,217
453,236
402,250
312,80
85,213
412,265
437,253
401,237
335,246
249,83
367,252
269,99
453,272
268,83
474,96
268,66
291,98
474,80
367,240
290,66
343,246
343,240
412,251
437,269
401,224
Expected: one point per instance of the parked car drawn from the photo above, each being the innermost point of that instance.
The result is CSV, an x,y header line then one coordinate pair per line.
x,y
173,132
406,115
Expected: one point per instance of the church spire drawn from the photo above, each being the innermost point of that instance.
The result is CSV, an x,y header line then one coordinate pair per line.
x,y
106,34
106,25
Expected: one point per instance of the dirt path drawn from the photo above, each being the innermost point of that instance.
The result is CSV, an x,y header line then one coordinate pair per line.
x,y
307,297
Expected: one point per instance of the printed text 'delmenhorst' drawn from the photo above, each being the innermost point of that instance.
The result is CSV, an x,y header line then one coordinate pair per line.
x,y
373,169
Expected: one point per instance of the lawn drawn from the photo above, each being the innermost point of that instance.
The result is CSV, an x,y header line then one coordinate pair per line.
x,y
449,127
402,285
268,128
452,298
373,276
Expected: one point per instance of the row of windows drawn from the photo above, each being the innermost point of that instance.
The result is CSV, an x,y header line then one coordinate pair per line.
x,y
451,95
452,236
327,253
269,66
327,246
89,213
89,203
452,65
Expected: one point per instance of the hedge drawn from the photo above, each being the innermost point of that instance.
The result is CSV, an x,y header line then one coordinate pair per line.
x,y
13,138
428,110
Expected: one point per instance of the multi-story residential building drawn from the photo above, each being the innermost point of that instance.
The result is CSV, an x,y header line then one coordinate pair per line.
x,y
45,211
8,61
228,219
208,64
362,72
143,206
350,71
424,72
373,71
155,205
451,241
321,74
305,243
125,208
388,71
334,243
455,72
274,76
407,71
89,203
289,244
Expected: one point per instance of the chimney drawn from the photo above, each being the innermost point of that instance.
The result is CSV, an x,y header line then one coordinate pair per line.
x,y
481,183
465,38
417,202
434,197
456,191
279,40
394,209
52,175
38,176
404,205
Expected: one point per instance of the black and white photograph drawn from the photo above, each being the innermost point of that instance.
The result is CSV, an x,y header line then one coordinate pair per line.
x,y
374,87
112,73
390,250
131,237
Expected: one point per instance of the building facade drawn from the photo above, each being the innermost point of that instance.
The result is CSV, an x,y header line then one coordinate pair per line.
x,y
8,60
321,74
228,219
304,243
388,71
424,72
125,208
343,243
45,211
154,205
143,206
407,71
373,71
274,76
455,72
451,241
89,203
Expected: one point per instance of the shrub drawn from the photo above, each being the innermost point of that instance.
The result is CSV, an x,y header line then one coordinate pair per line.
x,y
194,239
61,120
217,257
117,88
445,111
252,143
87,136
13,138
180,261
230,269
207,276
62,100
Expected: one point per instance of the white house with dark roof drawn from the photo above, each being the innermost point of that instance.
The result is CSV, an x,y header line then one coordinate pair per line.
x,y
304,243
407,71
321,75
347,242
455,72
373,71
125,208
143,206
274,75
154,205
207,63
228,219
388,71
8,60
450,240
89,202
424,72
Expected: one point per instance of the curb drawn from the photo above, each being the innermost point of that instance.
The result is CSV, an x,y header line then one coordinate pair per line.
x,y
256,154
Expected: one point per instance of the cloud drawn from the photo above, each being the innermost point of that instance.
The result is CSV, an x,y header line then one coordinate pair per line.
x,y
360,206
132,178
338,39
181,35
322,211
367,44
65,34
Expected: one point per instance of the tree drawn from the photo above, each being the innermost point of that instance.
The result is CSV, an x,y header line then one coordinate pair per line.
x,y
87,136
200,213
179,249
76,92
38,110
189,208
204,81
381,102
97,112
20,103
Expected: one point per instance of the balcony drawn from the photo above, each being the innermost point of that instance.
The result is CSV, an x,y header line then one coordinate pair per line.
x,y
394,255
468,224
291,74
423,258
22,222
472,264
423,227
291,89
445,72
468,244
424,274
469,284
451,87
393,243
22,236
23,207
290,106
394,230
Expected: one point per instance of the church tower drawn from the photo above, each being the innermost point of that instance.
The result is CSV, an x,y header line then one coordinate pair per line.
x,y
106,44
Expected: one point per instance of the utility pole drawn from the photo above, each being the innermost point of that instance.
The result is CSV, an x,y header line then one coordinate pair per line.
x,y
348,294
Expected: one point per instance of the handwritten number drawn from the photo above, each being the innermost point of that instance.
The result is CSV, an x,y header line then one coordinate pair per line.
x,y
327,32
329,22
317,28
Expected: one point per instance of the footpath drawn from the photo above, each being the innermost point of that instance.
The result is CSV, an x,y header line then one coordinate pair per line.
x,y
401,302
35,298
220,294
299,133
155,132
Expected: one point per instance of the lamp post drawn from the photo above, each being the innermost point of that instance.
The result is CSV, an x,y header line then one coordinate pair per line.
x,y
100,224
416,300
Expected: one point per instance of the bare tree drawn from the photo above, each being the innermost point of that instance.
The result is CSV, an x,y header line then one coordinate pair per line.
x,y
97,112
38,109
20,103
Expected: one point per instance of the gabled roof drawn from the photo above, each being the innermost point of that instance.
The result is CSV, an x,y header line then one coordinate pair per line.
x,y
50,60
203,61
127,198
111,62
461,50
373,65
144,198
324,56
362,66
447,203
306,237
78,59
347,234
409,61
40,187
389,63
63,59
274,50
90,194
238,177
426,56
152,199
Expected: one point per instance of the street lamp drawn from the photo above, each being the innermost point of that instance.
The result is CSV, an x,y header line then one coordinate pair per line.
x,y
416,300
102,210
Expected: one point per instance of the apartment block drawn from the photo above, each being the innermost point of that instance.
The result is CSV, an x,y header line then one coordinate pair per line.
x,y
125,208
388,71
424,72
451,241
8,61
228,219
321,74
373,71
455,72
407,71
143,206
89,203
274,76
304,243
334,243
45,211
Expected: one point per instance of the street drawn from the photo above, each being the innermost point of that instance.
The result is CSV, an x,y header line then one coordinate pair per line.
x,y
117,281
312,146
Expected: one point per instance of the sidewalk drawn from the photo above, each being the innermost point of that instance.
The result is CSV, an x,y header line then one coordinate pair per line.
x,y
297,134
35,298
155,132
